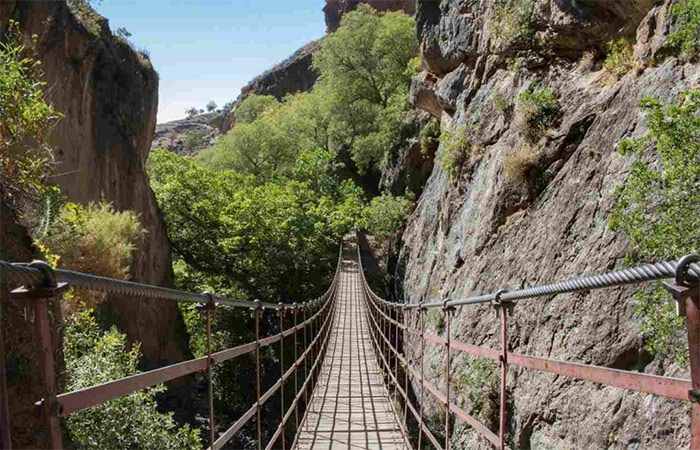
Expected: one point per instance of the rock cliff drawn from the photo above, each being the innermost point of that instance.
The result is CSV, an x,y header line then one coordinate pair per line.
x,y
483,232
335,9
109,94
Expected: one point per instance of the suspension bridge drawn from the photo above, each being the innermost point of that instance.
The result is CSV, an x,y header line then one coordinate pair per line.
x,y
350,384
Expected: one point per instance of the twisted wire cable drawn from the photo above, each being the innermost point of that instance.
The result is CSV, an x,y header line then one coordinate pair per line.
x,y
649,272
20,274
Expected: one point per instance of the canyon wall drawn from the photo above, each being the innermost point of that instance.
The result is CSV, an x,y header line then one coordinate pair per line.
x,y
483,232
109,95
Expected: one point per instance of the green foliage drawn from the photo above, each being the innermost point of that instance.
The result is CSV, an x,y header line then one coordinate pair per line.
x,y
436,318
385,215
253,107
194,140
620,58
685,38
191,112
429,135
211,106
512,22
133,421
479,382
85,13
228,225
365,69
538,109
664,330
655,207
454,151
26,119
94,239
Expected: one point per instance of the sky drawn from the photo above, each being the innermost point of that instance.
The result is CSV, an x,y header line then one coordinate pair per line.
x,y
209,49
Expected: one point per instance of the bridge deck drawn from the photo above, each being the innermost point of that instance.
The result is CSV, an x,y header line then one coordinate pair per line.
x,y
350,408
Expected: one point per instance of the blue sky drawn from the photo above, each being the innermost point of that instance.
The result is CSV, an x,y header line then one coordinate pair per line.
x,y
209,49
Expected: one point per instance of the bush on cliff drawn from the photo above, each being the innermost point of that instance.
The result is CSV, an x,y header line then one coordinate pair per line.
x,y
133,421
685,38
656,207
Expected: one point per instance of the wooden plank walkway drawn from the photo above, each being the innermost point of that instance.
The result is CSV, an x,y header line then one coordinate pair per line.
x,y
350,407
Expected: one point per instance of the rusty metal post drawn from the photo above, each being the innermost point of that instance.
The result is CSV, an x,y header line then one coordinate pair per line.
x,y
687,295
296,372
421,313
306,364
5,438
404,320
41,295
396,351
502,309
447,310
208,308
257,313
281,315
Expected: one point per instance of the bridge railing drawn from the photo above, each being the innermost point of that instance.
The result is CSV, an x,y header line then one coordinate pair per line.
x,y
312,322
391,329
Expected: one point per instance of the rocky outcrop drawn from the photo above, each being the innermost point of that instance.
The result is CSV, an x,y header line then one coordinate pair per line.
x,y
109,94
335,9
292,75
188,136
485,232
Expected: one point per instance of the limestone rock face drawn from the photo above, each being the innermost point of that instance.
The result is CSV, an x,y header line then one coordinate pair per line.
x,y
335,9
109,96
485,232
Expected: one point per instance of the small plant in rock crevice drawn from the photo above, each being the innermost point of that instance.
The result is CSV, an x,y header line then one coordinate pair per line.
x,y
457,148
512,22
538,109
478,382
518,163
429,135
620,59
685,37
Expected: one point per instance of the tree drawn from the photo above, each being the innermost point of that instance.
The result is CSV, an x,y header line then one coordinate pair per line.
x,y
253,106
656,208
191,112
385,215
364,68
211,106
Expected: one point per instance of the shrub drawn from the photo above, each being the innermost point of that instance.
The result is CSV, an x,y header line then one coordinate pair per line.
x,y
455,149
538,109
429,135
518,163
501,103
253,107
656,205
685,39
95,239
620,59
436,317
27,119
385,215
194,140
133,421
480,382
512,22
84,12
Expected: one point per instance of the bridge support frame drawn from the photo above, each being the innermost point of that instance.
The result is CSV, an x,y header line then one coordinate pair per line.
x,y
42,294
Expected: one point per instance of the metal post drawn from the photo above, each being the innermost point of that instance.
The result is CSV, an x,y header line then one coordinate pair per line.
x,y
447,312
306,365
687,295
296,372
5,439
258,414
41,295
504,366
281,314
208,308
396,352
421,313
405,371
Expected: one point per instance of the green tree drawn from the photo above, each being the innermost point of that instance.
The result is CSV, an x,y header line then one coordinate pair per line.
x,y
385,215
364,68
685,38
253,106
656,206
130,422
211,106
